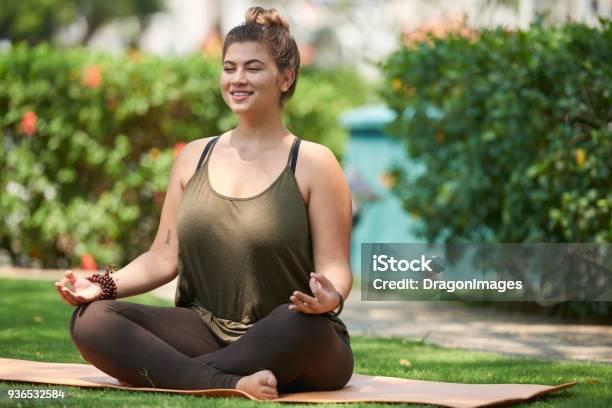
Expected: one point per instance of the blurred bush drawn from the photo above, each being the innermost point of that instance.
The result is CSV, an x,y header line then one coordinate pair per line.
x,y
512,136
88,140
512,133
36,21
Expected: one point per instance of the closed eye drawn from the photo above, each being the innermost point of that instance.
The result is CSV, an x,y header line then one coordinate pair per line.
x,y
233,69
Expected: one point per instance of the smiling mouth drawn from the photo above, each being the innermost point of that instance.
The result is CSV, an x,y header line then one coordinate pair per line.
x,y
241,93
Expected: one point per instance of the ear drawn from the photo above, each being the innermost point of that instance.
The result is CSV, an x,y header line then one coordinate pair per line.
x,y
287,78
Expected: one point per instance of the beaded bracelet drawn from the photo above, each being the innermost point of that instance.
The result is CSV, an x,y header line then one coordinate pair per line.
x,y
336,314
106,282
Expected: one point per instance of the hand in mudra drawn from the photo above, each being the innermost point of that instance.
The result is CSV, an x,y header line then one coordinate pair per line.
x,y
83,291
325,296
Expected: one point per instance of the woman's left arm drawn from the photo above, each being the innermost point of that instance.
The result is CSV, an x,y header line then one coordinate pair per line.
x,y
330,215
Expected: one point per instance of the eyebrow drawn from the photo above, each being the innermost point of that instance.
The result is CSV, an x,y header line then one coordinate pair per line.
x,y
246,63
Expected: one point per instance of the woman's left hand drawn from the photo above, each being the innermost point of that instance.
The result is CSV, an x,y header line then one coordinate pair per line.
x,y
325,300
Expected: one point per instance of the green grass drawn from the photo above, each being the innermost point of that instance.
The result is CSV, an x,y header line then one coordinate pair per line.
x,y
34,325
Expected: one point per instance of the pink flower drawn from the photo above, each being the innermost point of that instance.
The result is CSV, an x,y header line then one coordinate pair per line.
x,y
92,76
28,123
88,262
177,148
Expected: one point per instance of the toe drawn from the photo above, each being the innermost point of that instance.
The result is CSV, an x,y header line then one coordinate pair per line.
x,y
270,395
271,380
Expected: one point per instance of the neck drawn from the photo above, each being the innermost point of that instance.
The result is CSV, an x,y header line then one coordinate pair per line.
x,y
262,129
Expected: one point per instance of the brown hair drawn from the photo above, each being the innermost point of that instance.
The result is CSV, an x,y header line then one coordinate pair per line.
x,y
269,28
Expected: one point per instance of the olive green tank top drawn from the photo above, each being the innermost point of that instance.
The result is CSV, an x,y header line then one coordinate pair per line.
x,y
239,258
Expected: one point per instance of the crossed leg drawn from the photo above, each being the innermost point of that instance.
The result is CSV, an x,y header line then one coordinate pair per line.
x,y
170,347
304,352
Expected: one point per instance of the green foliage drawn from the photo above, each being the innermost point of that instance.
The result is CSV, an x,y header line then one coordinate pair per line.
x,y
88,140
36,21
512,134
320,98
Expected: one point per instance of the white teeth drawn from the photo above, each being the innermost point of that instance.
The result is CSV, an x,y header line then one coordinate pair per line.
x,y
241,93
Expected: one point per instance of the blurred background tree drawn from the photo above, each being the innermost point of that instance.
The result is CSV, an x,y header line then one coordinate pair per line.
x,y
512,134
35,21
511,130
88,141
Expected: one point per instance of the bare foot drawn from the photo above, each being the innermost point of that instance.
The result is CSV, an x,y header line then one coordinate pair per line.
x,y
261,385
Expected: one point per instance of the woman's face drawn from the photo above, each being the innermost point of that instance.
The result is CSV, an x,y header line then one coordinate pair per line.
x,y
250,80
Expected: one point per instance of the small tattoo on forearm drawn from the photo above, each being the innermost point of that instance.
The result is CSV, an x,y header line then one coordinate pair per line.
x,y
168,238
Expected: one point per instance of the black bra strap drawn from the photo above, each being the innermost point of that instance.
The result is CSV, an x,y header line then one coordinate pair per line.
x,y
206,149
294,153
292,156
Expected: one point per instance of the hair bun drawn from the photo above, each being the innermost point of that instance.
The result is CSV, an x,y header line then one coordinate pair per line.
x,y
267,18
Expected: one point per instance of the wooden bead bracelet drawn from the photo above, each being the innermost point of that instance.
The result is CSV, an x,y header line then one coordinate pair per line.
x,y
106,282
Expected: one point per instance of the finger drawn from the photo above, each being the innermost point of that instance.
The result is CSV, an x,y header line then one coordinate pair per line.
x,y
70,296
295,305
305,298
64,293
79,296
66,301
308,303
315,287
297,301
301,306
322,279
64,281
58,287
70,275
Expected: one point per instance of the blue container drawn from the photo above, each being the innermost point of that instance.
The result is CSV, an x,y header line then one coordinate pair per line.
x,y
369,154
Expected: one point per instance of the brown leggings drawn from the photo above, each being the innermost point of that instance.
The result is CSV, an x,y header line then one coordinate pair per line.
x,y
170,347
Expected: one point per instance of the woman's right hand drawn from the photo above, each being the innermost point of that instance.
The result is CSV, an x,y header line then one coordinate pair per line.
x,y
83,291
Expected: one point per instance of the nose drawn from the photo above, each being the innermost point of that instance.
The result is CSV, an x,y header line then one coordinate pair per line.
x,y
239,76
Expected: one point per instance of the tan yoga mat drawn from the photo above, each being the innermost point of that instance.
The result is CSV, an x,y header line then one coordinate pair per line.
x,y
361,388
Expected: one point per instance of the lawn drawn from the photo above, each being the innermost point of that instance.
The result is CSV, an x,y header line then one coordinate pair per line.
x,y
34,325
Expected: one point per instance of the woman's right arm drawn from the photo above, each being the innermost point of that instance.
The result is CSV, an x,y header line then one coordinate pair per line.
x,y
159,265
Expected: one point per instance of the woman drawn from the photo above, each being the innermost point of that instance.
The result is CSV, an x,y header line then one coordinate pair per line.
x,y
244,224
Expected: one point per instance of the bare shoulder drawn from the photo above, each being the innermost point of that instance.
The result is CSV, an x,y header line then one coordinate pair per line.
x,y
317,159
317,169
187,160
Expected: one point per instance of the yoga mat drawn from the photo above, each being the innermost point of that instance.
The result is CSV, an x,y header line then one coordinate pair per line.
x,y
361,388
